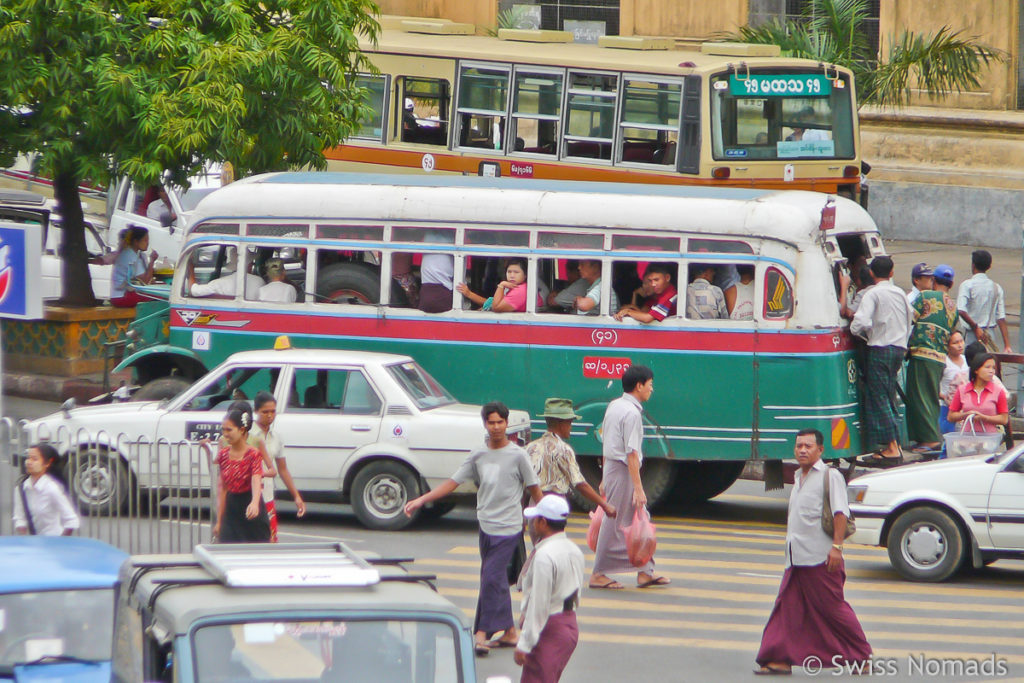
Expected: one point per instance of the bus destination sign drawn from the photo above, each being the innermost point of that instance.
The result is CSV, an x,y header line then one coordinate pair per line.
x,y
780,85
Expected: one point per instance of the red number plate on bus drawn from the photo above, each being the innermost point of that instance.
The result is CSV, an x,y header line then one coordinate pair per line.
x,y
604,368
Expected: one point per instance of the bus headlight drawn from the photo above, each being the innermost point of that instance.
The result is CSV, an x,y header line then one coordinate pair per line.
x,y
856,493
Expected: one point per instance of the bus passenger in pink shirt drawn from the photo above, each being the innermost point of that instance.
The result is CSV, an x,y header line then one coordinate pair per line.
x,y
981,397
510,296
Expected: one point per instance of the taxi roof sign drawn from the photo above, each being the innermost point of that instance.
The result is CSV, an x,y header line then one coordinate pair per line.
x,y
282,343
263,565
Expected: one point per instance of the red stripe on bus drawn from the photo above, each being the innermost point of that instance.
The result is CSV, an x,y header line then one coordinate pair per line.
x,y
609,338
460,163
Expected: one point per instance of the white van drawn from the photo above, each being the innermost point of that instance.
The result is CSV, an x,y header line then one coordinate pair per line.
x,y
130,204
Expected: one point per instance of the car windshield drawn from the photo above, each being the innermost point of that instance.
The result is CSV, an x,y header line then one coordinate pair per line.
x,y
191,197
421,387
383,651
36,626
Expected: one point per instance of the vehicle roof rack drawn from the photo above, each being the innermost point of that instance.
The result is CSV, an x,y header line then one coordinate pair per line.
x,y
263,565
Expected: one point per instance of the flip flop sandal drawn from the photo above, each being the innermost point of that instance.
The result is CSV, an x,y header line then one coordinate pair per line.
x,y
481,649
501,643
610,586
656,581
772,671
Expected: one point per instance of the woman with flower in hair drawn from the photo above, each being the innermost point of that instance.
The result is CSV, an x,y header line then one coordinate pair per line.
x,y
241,514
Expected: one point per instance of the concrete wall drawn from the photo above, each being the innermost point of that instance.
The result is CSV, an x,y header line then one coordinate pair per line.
x,y
683,19
483,13
991,22
950,214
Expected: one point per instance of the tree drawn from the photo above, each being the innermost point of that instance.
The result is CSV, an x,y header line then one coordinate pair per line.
x,y
833,31
105,88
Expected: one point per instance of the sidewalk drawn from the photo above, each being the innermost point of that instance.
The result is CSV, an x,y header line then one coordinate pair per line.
x,y
53,388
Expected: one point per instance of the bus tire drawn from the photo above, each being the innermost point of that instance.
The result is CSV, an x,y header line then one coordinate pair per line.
x,y
159,389
379,493
100,482
590,468
437,509
658,475
699,482
358,282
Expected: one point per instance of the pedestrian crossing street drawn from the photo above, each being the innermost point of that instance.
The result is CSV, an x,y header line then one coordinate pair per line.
x,y
725,576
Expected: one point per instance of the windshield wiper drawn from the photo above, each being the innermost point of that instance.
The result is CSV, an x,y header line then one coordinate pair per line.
x,y
56,659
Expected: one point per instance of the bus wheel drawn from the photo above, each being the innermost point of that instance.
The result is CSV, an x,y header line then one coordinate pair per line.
x,y
159,389
590,468
437,509
658,475
700,481
355,283
380,492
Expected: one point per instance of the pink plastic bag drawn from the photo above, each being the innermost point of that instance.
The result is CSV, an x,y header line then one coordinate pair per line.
x,y
641,538
596,517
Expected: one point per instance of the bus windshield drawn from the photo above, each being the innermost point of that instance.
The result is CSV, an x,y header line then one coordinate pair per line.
x,y
423,389
781,116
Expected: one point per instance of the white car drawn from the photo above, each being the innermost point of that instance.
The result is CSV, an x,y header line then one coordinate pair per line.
x,y
370,428
935,517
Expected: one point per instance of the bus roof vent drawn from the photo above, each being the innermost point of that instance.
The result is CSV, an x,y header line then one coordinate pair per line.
x,y
251,565
636,42
740,50
534,35
437,27
393,22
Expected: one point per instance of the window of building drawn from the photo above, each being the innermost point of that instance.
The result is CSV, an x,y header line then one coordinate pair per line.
x,y
424,104
586,19
763,11
483,106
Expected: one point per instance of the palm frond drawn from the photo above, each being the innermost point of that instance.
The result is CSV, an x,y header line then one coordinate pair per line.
x,y
843,22
938,64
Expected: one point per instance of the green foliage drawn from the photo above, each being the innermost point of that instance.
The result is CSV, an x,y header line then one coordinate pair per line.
x,y
102,88
831,31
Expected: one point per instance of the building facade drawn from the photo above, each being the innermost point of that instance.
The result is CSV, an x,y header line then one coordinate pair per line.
x,y
948,170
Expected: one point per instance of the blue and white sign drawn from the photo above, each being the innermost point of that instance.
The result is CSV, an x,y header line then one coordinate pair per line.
x,y
21,287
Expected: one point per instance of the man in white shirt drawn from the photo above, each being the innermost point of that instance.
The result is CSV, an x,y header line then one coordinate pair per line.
x,y
982,304
277,289
884,319
811,618
551,582
225,286
589,302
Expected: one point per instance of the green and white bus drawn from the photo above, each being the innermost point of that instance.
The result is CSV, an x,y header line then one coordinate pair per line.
x,y
727,391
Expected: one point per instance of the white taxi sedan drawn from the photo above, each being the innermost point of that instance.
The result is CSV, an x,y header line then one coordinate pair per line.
x,y
935,517
372,429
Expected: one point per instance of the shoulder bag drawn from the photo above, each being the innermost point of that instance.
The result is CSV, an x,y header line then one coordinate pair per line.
x,y
24,505
828,517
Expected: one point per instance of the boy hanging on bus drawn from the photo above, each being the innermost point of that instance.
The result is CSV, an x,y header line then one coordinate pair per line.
x,y
661,303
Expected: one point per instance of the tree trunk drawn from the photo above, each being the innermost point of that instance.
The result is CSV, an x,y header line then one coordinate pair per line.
x,y
76,282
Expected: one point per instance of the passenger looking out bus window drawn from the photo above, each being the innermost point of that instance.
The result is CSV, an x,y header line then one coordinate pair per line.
x,y
223,286
726,278
743,306
401,273
806,115
426,120
509,295
564,296
704,301
277,289
660,303
589,303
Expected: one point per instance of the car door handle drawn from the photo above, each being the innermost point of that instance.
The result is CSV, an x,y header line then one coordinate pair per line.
x,y
361,428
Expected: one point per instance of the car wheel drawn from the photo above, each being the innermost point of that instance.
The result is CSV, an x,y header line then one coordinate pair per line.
x,y
159,389
98,481
926,544
380,492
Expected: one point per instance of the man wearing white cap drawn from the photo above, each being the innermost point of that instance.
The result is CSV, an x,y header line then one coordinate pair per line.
x,y
551,583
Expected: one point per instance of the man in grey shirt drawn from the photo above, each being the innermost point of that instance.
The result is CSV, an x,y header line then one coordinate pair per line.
x,y
501,471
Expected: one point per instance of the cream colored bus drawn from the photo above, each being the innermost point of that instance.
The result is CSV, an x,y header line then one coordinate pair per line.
x,y
624,110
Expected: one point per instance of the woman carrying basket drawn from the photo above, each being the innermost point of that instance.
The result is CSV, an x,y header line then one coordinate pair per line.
x,y
981,397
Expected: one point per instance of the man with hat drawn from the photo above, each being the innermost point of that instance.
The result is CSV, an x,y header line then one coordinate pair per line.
x,y
923,278
551,583
554,460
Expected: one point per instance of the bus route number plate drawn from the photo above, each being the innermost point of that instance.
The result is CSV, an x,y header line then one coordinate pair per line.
x,y
597,367
782,85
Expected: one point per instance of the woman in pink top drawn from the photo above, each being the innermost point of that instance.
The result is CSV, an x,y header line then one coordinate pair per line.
x,y
981,397
510,296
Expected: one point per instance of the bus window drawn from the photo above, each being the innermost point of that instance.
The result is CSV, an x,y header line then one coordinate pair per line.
x,y
424,105
590,115
348,277
705,291
633,285
501,238
283,269
630,242
485,273
483,105
650,121
580,291
778,295
718,246
372,128
536,110
781,116
211,273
